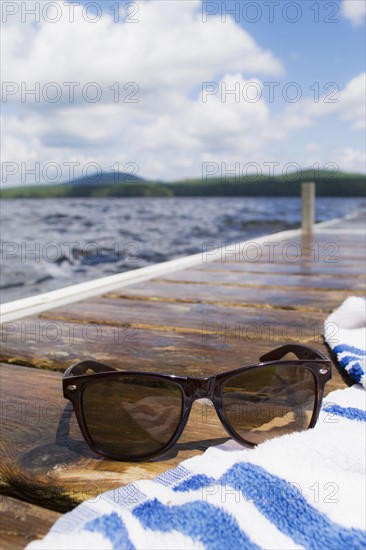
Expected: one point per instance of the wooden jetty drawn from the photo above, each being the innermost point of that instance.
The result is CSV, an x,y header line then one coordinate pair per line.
x,y
205,318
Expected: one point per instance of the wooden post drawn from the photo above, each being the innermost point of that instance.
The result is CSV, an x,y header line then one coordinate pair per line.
x,y
307,207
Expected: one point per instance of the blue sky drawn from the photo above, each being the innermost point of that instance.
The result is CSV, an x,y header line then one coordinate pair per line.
x,y
164,59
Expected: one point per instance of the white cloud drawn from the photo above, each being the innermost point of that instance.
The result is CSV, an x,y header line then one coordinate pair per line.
x,y
352,103
349,103
173,142
174,139
349,159
354,10
169,48
171,130
168,54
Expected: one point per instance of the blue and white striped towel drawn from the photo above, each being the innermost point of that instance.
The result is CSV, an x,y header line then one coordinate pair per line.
x,y
304,490
345,333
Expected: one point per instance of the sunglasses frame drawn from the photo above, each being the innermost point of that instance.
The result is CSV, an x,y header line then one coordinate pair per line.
x,y
76,378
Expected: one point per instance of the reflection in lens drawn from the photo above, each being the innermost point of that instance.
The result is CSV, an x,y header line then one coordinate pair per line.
x,y
266,402
131,416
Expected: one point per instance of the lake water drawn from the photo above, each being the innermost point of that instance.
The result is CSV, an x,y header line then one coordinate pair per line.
x,y
52,243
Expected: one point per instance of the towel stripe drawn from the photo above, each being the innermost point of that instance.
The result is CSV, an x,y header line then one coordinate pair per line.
x,y
195,482
283,505
356,371
203,522
351,413
352,349
111,527
290,512
345,359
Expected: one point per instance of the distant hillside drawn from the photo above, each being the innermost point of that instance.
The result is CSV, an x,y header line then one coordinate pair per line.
x,y
107,178
328,184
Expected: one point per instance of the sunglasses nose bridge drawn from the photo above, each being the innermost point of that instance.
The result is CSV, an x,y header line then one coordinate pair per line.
x,y
203,387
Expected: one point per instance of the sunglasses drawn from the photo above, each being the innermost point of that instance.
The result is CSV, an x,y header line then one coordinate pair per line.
x,y
127,415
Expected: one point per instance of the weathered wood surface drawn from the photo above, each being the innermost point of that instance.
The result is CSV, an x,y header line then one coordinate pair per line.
x,y
22,522
134,334
56,345
243,279
342,270
307,299
213,317
188,317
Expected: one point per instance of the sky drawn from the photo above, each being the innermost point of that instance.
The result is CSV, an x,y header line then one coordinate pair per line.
x,y
181,89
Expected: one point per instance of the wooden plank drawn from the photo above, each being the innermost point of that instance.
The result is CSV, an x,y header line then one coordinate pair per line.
x,y
22,522
255,256
266,324
324,254
55,345
44,459
271,296
349,270
263,279
290,251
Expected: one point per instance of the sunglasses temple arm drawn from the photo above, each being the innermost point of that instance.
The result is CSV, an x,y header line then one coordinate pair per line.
x,y
84,366
301,352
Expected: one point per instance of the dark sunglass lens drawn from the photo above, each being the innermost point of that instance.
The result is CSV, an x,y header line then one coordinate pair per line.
x,y
266,402
131,417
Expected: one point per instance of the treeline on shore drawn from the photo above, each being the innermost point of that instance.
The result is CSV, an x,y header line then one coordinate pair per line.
x,y
328,184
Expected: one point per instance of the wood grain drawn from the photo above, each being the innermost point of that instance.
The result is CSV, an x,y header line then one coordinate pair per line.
x,y
224,322
218,341
22,522
341,270
314,300
264,280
